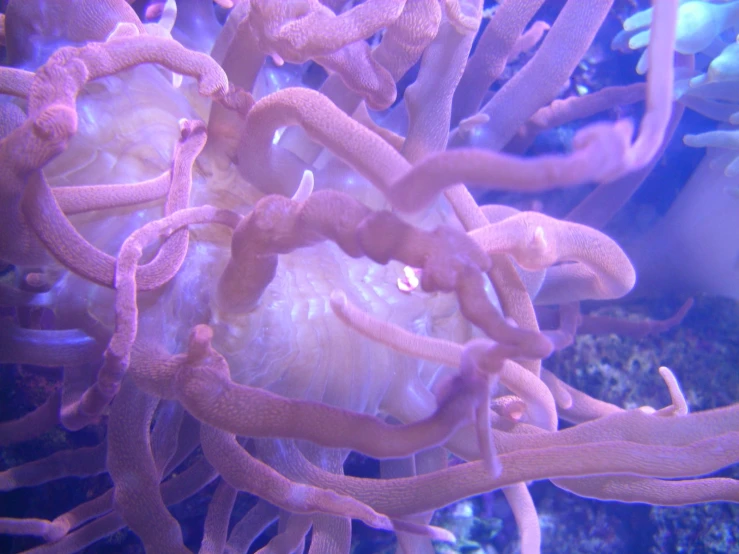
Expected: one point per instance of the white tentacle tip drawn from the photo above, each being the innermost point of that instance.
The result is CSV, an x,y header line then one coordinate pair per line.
x,y
305,188
338,300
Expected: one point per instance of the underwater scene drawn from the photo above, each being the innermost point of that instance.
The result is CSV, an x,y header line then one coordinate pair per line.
x,y
369,276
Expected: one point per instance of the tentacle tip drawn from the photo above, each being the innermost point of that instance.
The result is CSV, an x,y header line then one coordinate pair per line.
x,y
692,140
57,123
699,80
56,531
277,59
123,29
338,300
443,535
469,124
305,187
201,333
188,127
565,402
200,341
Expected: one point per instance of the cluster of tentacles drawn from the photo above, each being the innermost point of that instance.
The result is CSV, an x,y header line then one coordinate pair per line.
x,y
308,317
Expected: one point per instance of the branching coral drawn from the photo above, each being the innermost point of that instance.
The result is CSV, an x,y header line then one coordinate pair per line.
x,y
249,299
